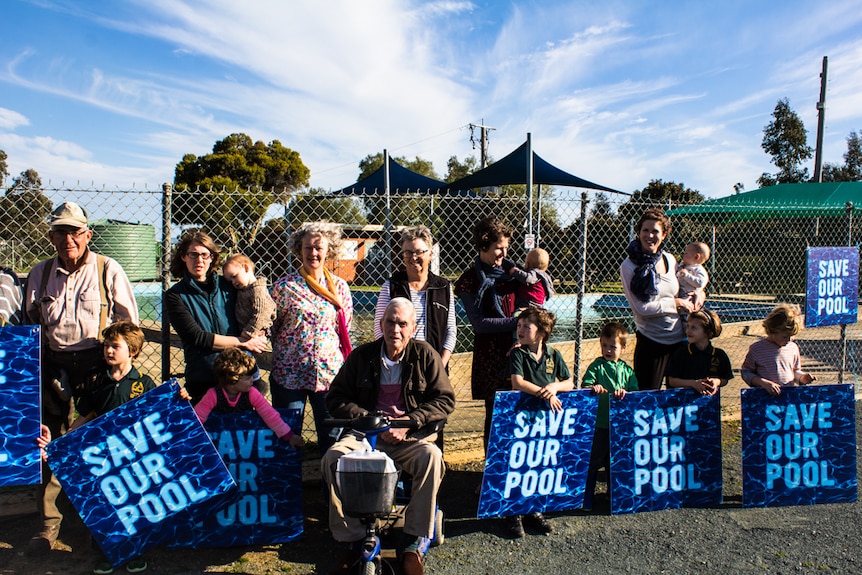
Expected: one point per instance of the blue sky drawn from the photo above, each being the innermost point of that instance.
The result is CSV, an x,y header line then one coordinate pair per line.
x,y
114,93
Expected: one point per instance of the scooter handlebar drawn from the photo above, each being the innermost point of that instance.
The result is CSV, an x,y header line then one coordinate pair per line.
x,y
371,422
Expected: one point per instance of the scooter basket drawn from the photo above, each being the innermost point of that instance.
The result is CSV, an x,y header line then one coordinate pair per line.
x,y
366,481
366,492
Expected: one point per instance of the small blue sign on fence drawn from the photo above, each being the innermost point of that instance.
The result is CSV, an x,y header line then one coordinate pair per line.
x,y
832,292
665,451
135,471
798,448
267,507
20,461
537,458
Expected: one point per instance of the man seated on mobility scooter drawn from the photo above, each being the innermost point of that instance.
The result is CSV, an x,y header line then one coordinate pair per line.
x,y
404,379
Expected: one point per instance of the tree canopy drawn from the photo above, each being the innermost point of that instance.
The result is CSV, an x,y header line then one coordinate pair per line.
x,y
4,168
785,139
24,223
457,169
851,171
658,194
316,205
229,190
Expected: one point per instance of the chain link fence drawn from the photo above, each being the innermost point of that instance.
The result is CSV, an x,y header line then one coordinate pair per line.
x,y
758,259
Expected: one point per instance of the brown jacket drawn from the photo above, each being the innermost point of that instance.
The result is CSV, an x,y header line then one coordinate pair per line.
x,y
428,395
255,310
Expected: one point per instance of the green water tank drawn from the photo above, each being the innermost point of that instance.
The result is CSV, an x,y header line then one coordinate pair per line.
x,y
132,245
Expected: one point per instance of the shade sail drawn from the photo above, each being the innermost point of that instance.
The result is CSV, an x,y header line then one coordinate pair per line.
x,y
401,181
826,199
513,170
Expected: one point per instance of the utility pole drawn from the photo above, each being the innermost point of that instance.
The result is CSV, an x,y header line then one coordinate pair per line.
x,y
821,120
483,142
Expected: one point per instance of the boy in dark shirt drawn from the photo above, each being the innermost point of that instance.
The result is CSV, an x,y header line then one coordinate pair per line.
x,y
120,383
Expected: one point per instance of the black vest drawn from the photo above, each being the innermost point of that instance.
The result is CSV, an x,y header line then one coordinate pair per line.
x,y
437,303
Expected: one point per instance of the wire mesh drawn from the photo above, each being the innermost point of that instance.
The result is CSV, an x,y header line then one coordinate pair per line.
x,y
758,259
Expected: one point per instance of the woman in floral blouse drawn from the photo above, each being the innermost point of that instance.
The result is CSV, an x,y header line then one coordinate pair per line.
x,y
310,334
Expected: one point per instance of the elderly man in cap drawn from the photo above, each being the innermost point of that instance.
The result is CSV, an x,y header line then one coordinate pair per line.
x,y
73,296
404,379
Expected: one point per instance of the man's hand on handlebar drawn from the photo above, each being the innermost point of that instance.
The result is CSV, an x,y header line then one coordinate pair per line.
x,y
395,434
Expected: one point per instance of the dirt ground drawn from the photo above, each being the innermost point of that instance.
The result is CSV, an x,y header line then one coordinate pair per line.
x,y
726,539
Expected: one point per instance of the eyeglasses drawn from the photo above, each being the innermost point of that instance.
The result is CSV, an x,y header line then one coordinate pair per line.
x,y
75,234
205,256
410,254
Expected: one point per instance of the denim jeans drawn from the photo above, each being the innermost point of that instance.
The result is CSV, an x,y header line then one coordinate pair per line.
x,y
283,398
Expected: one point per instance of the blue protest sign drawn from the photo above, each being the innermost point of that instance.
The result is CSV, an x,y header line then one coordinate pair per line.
x,y
798,448
832,292
20,461
267,507
136,470
665,450
537,458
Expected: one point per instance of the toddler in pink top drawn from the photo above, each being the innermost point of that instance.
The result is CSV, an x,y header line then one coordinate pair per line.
x,y
234,392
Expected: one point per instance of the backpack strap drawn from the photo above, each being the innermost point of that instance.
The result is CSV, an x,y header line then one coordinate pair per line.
x,y
46,274
103,293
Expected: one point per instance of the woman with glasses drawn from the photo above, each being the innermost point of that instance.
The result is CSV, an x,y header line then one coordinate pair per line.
x,y
310,335
201,309
431,294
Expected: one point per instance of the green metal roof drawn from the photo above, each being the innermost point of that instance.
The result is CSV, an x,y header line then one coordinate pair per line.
x,y
785,200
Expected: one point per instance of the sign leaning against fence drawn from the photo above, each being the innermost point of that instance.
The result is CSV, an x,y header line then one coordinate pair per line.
x,y
798,448
136,470
832,291
20,462
537,458
665,451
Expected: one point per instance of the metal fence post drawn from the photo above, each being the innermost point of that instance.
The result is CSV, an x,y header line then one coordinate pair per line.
x,y
581,275
166,279
848,207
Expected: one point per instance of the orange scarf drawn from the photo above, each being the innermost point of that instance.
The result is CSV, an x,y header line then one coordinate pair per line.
x,y
330,294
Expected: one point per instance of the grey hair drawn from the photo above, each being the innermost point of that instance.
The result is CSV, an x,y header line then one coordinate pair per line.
x,y
401,302
330,231
417,233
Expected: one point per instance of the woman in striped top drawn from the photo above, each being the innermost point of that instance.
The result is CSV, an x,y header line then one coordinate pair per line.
x,y
431,294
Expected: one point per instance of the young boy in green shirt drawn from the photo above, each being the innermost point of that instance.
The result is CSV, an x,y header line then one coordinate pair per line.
x,y
607,375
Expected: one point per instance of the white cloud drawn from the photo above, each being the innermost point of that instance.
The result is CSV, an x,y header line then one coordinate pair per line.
x,y
10,119
70,165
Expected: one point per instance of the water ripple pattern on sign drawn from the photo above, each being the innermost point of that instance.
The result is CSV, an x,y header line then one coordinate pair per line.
x,y
665,451
137,470
537,459
20,463
799,448
267,507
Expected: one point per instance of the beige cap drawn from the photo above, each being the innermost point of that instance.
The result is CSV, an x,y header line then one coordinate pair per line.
x,y
69,214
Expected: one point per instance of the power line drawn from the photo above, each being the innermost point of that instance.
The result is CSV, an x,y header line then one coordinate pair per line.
x,y
397,148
